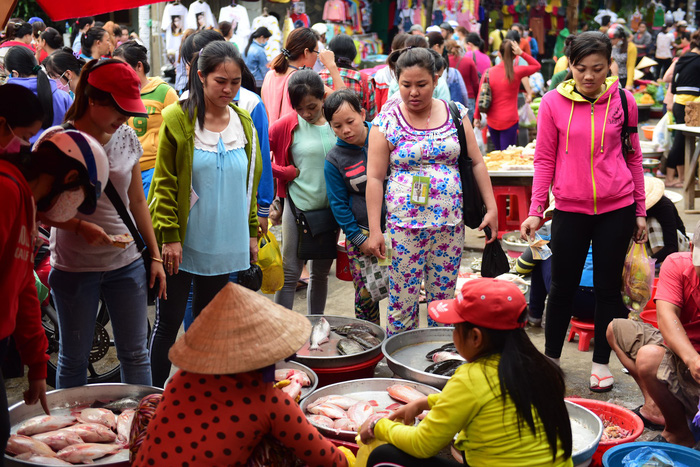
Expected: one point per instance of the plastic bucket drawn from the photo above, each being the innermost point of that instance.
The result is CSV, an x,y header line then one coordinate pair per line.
x,y
341,374
687,456
342,263
648,315
620,416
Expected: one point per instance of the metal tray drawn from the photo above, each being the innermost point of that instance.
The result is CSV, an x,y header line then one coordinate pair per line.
x,y
405,354
329,356
298,366
361,389
61,400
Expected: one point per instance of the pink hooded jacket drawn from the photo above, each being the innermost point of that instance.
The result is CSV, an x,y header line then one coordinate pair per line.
x,y
579,153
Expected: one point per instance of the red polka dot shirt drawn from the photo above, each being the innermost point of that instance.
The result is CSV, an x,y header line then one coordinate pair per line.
x,y
209,420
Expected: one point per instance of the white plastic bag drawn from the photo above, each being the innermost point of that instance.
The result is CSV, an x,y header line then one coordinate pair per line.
x,y
526,116
480,137
662,135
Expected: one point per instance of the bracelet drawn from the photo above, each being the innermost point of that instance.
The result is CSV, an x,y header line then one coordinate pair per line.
x,y
372,425
77,227
157,260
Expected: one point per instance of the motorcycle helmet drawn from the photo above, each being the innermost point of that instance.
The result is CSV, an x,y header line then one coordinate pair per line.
x,y
89,154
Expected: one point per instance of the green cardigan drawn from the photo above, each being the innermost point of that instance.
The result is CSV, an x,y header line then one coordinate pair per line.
x,y
169,196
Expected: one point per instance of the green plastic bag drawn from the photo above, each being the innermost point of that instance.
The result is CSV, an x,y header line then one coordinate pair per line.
x,y
41,289
270,262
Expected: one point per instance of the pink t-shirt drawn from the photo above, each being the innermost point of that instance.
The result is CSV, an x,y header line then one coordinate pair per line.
x,y
275,95
680,286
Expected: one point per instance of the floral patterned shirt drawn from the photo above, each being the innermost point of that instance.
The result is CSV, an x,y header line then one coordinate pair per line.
x,y
432,153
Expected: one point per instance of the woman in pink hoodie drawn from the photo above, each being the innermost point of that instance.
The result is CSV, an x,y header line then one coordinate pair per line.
x,y
598,185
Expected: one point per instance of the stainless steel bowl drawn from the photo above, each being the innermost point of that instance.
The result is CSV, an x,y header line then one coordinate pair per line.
x,y
329,357
405,354
298,366
61,400
583,454
361,389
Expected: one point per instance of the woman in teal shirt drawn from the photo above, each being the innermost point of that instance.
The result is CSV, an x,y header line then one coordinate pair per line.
x,y
203,195
311,139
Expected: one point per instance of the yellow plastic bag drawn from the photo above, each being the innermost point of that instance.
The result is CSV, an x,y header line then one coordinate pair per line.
x,y
365,450
637,279
270,262
348,455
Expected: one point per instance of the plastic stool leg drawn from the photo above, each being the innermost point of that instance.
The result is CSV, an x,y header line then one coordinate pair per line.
x,y
584,340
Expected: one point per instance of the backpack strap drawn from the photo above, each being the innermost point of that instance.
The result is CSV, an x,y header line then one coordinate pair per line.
x,y
626,128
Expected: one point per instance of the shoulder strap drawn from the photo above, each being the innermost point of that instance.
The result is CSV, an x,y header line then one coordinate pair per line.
x,y
626,126
4,174
460,128
118,204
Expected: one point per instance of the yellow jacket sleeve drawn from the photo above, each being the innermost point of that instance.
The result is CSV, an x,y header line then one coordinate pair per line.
x,y
562,64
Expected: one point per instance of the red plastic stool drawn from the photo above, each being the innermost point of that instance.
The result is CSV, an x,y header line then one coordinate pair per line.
x,y
513,203
342,262
584,329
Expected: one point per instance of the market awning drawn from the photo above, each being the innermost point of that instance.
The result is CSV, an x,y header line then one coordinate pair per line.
x,y
59,10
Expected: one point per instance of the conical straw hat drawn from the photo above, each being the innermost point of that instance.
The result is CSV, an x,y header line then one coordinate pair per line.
x,y
646,62
654,190
239,331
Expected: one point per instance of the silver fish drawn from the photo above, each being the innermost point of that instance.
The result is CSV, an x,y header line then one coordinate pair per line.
x,y
320,334
124,425
58,439
44,423
122,404
20,444
445,355
349,346
93,432
87,452
102,416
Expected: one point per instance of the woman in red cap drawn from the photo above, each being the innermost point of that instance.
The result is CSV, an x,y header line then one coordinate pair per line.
x,y
87,263
506,403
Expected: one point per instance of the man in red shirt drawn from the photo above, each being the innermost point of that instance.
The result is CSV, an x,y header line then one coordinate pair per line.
x,y
665,362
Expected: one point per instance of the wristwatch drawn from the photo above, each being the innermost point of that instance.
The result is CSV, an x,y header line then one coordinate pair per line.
x,y
372,425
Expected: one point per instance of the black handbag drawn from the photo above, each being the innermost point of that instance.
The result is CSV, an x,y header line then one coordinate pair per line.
x,y
318,233
118,204
473,204
494,262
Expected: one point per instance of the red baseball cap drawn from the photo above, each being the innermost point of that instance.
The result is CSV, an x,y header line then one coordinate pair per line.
x,y
122,83
485,302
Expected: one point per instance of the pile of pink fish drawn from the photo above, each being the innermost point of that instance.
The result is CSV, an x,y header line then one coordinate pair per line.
x,y
79,438
348,414
298,378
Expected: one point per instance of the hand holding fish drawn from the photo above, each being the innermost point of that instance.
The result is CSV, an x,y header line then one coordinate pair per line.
x,y
367,428
37,392
410,411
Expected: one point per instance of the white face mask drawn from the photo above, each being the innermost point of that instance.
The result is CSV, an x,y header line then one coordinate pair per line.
x,y
66,206
61,85
14,145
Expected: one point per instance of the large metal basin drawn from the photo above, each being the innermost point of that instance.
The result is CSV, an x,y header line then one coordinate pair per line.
x,y
361,389
587,440
298,366
329,357
405,354
61,400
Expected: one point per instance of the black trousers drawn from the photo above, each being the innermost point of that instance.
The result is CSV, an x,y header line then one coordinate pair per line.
x,y
391,456
170,313
571,235
664,64
676,156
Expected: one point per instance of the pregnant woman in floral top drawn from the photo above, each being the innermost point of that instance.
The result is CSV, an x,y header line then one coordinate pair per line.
x,y
417,140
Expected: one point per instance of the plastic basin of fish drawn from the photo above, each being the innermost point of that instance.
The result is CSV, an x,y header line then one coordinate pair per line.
x,y
361,389
680,454
61,400
309,372
328,376
620,416
587,428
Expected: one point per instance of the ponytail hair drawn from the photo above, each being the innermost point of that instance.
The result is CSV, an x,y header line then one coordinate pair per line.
x,y
20,106
132,52
508,57
531,381
11,30
78,26
206,61
262,31
421,57
90,37
52,38
84,91
297,42
63,60
22,60
343,47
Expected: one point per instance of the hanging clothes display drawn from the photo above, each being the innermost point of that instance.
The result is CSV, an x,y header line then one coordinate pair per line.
x,y
200,16
174,23
237,15
335,11
273,47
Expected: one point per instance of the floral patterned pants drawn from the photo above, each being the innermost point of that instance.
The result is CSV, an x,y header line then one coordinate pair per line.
x,y
432,254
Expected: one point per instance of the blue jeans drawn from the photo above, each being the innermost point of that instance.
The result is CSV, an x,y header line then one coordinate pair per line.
x,y
146,178
76,296
471,105
189,316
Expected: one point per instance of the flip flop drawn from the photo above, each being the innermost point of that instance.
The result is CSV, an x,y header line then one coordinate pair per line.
x,y
647,423
597,387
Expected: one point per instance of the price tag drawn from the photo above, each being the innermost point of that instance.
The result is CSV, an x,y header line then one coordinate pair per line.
x,y
419,190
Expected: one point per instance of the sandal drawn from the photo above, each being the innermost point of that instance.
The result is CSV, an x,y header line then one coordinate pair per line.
x,y
597,386
676,184
647,423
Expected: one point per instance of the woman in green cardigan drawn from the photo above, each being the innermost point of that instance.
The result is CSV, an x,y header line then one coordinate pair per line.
x,y
202,199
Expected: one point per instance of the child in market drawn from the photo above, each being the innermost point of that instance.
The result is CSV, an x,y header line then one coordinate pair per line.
x,y
506,403
345,171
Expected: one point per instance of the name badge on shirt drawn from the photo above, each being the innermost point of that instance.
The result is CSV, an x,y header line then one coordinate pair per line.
x,y
420,189
193,197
